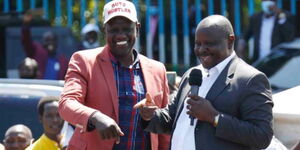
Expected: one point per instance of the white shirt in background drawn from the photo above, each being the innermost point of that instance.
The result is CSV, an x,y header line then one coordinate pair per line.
x,y
265,41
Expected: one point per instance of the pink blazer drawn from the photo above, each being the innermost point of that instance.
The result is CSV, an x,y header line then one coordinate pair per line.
x,y
90,86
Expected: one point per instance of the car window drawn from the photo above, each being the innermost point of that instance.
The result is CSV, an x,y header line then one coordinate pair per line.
x,y
19,99
19,109
270,64
278,67
287,76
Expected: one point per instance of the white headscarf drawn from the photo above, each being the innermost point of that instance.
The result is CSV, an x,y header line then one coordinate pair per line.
x,y
86,29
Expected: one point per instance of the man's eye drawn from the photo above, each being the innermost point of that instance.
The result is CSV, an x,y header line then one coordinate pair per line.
x,y
49,116
210,43
113,31
127,30
8,141
197,44
22,140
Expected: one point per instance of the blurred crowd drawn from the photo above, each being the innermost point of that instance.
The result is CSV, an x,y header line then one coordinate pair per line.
x,y
266,30
43,61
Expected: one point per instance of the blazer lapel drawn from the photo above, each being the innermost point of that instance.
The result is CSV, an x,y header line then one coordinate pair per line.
x,y
223,80
184,93
107,69
147,73
184,90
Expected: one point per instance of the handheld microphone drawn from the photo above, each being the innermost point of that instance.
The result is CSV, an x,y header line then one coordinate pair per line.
x,y
195,81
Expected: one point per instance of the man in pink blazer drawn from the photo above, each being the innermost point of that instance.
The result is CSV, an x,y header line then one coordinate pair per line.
x,y
103,84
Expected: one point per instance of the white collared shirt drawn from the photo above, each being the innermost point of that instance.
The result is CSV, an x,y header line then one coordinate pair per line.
x,y
183,135
265,41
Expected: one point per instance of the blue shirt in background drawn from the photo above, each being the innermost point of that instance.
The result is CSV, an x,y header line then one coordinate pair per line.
x,y
52,69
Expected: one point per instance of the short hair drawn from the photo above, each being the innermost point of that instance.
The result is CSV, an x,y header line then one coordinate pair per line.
x,y
218,22
29,62
45,100
51,34
19,127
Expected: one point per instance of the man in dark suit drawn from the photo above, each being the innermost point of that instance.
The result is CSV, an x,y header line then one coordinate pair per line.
x,y
269,27
233,108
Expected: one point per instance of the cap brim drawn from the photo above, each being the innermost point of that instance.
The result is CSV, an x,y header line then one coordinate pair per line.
x,y
120,15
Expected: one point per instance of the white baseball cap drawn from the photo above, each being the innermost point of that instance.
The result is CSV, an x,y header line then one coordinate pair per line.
x,y
122,8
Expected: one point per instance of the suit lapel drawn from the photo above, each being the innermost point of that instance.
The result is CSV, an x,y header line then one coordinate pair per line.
x,y
184,90
108,72
223,80
184,93
147,73
275,31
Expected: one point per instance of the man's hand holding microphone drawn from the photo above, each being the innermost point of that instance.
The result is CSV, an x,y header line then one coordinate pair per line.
x,y
197,106
201,109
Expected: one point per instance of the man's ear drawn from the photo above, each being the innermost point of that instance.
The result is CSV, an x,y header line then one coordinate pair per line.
x,y
40,119
231,39
31,141
138,26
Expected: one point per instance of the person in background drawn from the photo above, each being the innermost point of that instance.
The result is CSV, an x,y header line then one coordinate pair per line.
x,y
52,125
90,36
104,83
52,65
17,137
232,107
269,28
28,69
2,147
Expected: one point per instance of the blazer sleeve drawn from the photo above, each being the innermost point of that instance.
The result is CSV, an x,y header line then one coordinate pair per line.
x,y
71,104
163,119
254,125
164,139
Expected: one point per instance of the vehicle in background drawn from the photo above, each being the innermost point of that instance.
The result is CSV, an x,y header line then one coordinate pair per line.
x,y
282,66
19,99
286,115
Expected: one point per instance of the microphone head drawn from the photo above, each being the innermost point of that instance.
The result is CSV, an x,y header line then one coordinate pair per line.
x,y
195,77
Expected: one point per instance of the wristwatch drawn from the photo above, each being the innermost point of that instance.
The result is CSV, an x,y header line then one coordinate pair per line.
x,y
216,120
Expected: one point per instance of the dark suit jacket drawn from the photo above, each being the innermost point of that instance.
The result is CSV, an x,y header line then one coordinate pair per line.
x,y
281,32
243,95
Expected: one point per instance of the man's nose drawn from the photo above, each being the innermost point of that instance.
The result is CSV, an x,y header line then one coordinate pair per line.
x,y
56,119
199,48
15,145
121,36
